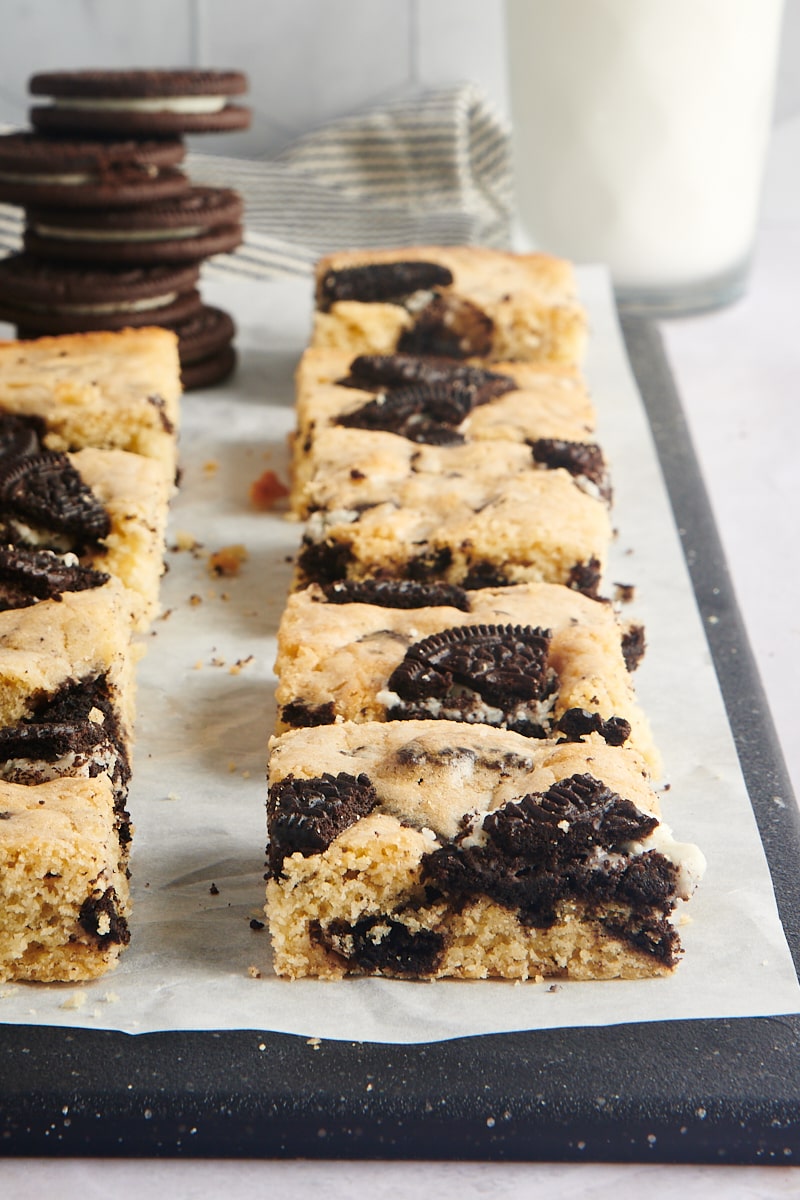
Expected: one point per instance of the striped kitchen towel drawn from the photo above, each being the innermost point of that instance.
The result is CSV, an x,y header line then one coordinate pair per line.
x,y
432,168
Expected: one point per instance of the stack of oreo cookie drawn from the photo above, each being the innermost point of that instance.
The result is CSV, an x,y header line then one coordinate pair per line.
x,y
115,231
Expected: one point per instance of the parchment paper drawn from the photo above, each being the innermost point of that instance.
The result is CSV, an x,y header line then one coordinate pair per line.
x,y
206,707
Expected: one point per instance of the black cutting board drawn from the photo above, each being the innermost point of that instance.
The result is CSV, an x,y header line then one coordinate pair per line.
x,y
705,1091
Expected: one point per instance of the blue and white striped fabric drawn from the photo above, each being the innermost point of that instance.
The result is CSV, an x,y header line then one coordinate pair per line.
x,y
434,168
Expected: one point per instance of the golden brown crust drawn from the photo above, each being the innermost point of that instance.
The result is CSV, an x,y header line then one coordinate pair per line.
x,y
117,390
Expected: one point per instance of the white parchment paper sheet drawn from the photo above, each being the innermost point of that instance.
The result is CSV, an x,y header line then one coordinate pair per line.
x,y
199,786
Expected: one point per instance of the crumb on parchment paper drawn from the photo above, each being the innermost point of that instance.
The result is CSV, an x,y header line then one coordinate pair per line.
x,y
227,560
240,664
185,541
267,490
74,1001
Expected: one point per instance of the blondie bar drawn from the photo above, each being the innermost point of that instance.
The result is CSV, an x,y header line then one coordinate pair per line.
x,y
107,506
538,658
479,514
457,301
109,390
63,880
436,401
428,849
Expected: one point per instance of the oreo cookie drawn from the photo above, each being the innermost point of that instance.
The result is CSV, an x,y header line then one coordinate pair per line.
x,y
139,103
205,347
190,228
89,174
45,298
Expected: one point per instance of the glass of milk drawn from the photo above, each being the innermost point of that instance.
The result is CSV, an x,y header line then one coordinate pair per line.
x,y
639,131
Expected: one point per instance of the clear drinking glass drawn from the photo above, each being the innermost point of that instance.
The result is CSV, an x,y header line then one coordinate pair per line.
x,y
640,130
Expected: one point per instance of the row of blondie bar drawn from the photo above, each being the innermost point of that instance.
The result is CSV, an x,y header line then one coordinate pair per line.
x,y
461,779
88,455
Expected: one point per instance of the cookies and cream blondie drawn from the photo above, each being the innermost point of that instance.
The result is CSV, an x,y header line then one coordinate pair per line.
x,y
436,401
479,514
108,507
116,391
64,898
537,658
457,301
430,849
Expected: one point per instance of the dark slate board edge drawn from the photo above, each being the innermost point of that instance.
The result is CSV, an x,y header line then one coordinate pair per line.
x,y
751,723
685,1092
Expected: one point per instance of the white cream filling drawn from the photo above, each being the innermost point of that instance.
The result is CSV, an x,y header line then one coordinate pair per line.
x,y
539,712
176,104
74,179
320,522
39,538
688,858
117,235
121,306
74,765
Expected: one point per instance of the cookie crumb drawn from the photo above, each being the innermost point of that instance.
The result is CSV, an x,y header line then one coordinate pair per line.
x,y
185,541
256,924
624,592
194,600
240,664
267,490
227,560
253,972
75,1001
211,467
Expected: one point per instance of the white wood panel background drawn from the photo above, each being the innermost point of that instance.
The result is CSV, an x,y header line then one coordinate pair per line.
x,y
308,60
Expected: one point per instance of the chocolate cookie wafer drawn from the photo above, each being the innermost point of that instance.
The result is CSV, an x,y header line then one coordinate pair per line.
x,y
205,347
94,174
41,298
149,103
191,227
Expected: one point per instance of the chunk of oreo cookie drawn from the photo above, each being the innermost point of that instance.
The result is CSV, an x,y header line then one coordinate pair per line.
x,y
382,944
397,593
374,372
421,412
28,575
20,435
568,843
449,326
42,297
139,103
192,227
305,815
581,459
493,674
45,491
577,723
101,917
381,282
100,174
